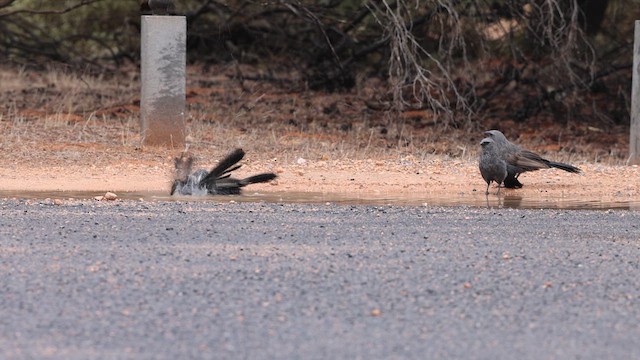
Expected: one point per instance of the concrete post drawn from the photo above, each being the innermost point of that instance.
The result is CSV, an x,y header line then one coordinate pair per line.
x,y
163,77
634,131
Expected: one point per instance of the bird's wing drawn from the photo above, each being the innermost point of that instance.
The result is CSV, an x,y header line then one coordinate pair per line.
x,y
224,167
528,161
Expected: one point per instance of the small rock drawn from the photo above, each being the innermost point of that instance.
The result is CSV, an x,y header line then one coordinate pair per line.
x,y
110,196
57,202
301,161
99,198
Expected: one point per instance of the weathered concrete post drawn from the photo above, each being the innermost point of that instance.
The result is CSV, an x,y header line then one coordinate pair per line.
x,y
163,74
634,131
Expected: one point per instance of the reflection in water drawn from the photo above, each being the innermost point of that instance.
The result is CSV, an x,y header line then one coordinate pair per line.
x,y
475,200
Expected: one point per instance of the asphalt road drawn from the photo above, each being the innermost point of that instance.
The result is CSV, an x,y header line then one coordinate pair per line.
x,y
178,280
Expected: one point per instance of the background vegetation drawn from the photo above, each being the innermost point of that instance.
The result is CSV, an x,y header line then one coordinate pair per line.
x,y
460,60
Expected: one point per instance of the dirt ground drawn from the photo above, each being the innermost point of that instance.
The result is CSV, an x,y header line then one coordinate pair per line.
x,y
91,168
51,141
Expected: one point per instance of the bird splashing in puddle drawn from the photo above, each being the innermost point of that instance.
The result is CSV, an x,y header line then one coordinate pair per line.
x,y
218,181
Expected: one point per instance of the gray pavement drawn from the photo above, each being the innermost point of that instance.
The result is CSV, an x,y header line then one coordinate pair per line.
x,y
180,280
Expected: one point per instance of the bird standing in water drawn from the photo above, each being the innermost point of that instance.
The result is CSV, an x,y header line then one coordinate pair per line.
x,y
492,166
520,160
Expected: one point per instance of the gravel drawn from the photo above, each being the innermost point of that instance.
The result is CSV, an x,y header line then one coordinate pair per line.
x,y
168,280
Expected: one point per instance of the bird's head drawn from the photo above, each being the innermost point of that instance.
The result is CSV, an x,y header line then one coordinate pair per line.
x,y
486,141
495,134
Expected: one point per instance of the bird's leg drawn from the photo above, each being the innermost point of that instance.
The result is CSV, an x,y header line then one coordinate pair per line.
x,y
487,192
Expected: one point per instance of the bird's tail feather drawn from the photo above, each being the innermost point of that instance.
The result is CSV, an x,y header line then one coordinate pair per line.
x,y
565,167
231,186
260,178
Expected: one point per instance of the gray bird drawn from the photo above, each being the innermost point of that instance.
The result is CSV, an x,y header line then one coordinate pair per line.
x,y
492,166
162,7
218,181
520,160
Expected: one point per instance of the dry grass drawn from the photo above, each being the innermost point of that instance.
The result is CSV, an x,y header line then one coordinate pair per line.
x,y
48,112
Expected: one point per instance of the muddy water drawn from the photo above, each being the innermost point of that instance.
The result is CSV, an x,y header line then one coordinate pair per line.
x,y
475,200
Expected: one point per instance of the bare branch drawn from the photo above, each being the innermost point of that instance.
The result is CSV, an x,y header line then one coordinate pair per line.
x,y
41,12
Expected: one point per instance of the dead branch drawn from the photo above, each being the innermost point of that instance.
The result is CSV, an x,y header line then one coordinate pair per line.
x,y
47,12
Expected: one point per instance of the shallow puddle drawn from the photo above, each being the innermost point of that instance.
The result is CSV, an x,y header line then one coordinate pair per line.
x,y
475,200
